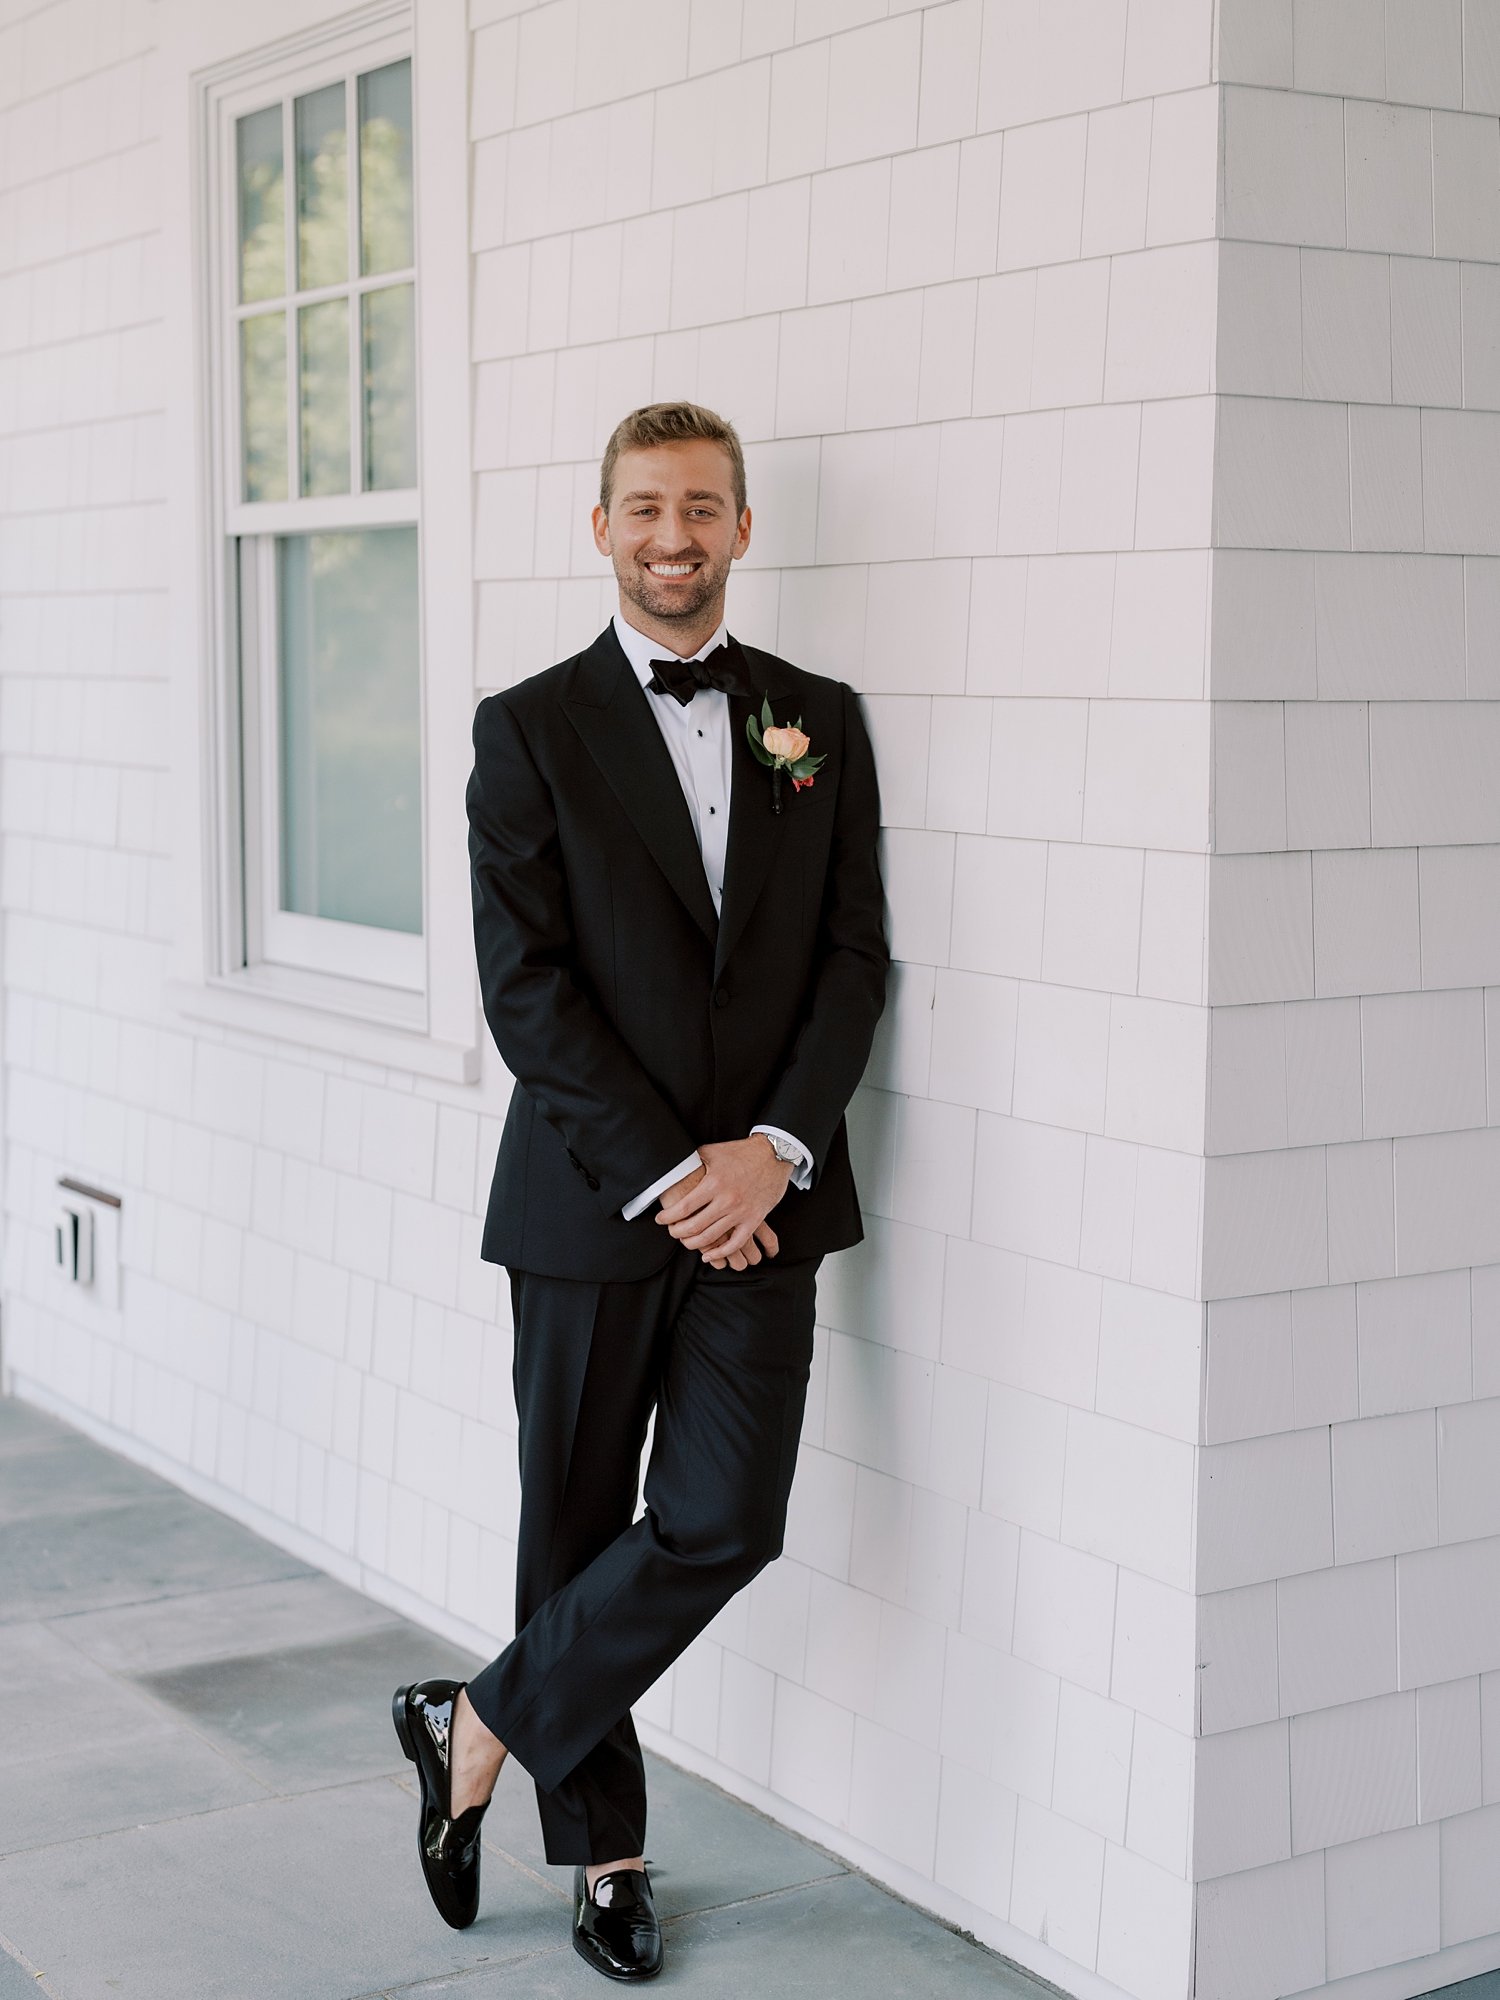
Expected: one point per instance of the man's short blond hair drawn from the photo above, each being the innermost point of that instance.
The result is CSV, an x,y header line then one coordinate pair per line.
x,y
671,423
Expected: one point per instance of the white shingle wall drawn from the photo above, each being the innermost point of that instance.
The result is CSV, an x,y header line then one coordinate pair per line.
x,y
922,256
298,1231
1349,1526
952,269
925,257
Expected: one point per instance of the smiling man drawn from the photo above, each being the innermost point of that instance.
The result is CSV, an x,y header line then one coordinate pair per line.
x,y
679,926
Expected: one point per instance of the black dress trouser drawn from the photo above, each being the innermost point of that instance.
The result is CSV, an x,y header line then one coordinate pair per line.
x,y
604,1602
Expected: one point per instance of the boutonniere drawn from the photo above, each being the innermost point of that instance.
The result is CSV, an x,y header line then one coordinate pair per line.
x,y
782,749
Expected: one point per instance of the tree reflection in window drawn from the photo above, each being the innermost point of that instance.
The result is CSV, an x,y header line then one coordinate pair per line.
x,y
365,334
350,739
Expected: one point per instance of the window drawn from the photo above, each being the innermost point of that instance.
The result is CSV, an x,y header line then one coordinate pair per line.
x,y
320,575
317,277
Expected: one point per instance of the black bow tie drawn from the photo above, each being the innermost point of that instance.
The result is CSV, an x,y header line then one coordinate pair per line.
x,y
682,678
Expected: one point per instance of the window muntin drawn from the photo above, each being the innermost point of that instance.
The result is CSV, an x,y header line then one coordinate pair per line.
x,y
337,264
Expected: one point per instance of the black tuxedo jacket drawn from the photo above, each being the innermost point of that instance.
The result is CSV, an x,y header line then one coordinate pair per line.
x,y
635,1022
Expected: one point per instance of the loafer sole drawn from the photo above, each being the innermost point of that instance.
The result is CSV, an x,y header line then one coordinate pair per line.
x,y
402,1721
609,1972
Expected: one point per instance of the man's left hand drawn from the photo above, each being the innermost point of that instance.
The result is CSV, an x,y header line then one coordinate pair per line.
x,y
764,1243
742,1183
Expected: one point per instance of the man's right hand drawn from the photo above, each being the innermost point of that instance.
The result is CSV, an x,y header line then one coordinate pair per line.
x,y
763,1241
679,1188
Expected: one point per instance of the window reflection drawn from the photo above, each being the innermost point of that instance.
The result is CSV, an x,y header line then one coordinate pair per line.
x,y
262,205
390,417
385,168
323,331
322,189
263,405
370,332
350,748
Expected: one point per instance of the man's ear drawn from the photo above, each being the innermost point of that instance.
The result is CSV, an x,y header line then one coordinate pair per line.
x,y
742,537
600,522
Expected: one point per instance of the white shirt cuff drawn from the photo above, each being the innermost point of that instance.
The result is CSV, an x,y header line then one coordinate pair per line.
x,y
802,1173
633,1208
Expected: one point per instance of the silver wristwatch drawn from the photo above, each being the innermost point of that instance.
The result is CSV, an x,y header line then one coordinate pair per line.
x,y
788,1154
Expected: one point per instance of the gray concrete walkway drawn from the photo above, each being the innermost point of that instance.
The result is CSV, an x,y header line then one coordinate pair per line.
x,y
201,1796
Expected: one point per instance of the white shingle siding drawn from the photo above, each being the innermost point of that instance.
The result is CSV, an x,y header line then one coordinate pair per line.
x,y
1122,429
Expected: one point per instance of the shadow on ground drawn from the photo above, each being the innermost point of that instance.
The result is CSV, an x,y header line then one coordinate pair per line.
x,y
201,1797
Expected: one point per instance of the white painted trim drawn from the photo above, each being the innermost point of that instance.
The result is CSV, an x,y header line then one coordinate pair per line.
x,y
202,49
393,506
273,1528
440,124
283,1005
341,951
1414,1976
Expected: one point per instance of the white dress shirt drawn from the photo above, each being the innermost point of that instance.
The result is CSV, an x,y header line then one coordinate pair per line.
x,y
698,740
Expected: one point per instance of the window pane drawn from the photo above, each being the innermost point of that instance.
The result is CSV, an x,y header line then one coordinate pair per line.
x,y
389,388
350,755
323,357
385,168
263,388
262,203
322,189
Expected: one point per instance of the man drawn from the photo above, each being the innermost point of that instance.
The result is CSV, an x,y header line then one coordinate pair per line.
x,y
679,926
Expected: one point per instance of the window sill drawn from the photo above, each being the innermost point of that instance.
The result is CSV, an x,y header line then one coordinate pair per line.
x,y
287,1006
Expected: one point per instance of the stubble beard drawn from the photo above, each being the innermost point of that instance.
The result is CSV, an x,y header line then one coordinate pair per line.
x,y
672,604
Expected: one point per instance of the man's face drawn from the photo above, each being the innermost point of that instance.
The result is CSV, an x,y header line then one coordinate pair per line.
x,y
671,530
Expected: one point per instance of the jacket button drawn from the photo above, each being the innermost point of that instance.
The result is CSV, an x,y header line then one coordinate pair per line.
x,y
721,996
593,1184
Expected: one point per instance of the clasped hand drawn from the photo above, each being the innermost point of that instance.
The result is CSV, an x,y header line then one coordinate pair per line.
x,y
720,1208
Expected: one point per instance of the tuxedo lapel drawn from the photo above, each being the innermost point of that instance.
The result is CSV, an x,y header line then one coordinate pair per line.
x,y
609,709
754,829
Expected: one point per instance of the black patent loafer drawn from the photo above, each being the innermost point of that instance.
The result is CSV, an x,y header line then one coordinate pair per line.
x,y
615,1926
448,1847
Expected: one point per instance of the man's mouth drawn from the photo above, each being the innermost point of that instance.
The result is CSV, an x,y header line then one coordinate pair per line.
x,y
671,569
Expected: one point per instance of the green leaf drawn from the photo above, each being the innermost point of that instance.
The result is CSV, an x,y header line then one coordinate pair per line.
x,y
805,766
767,720
752,729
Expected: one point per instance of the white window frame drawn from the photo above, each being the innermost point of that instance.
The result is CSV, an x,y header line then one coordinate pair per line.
x,y
393,962
405,1001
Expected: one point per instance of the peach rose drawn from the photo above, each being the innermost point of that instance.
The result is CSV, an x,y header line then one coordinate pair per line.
x,y
788,744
